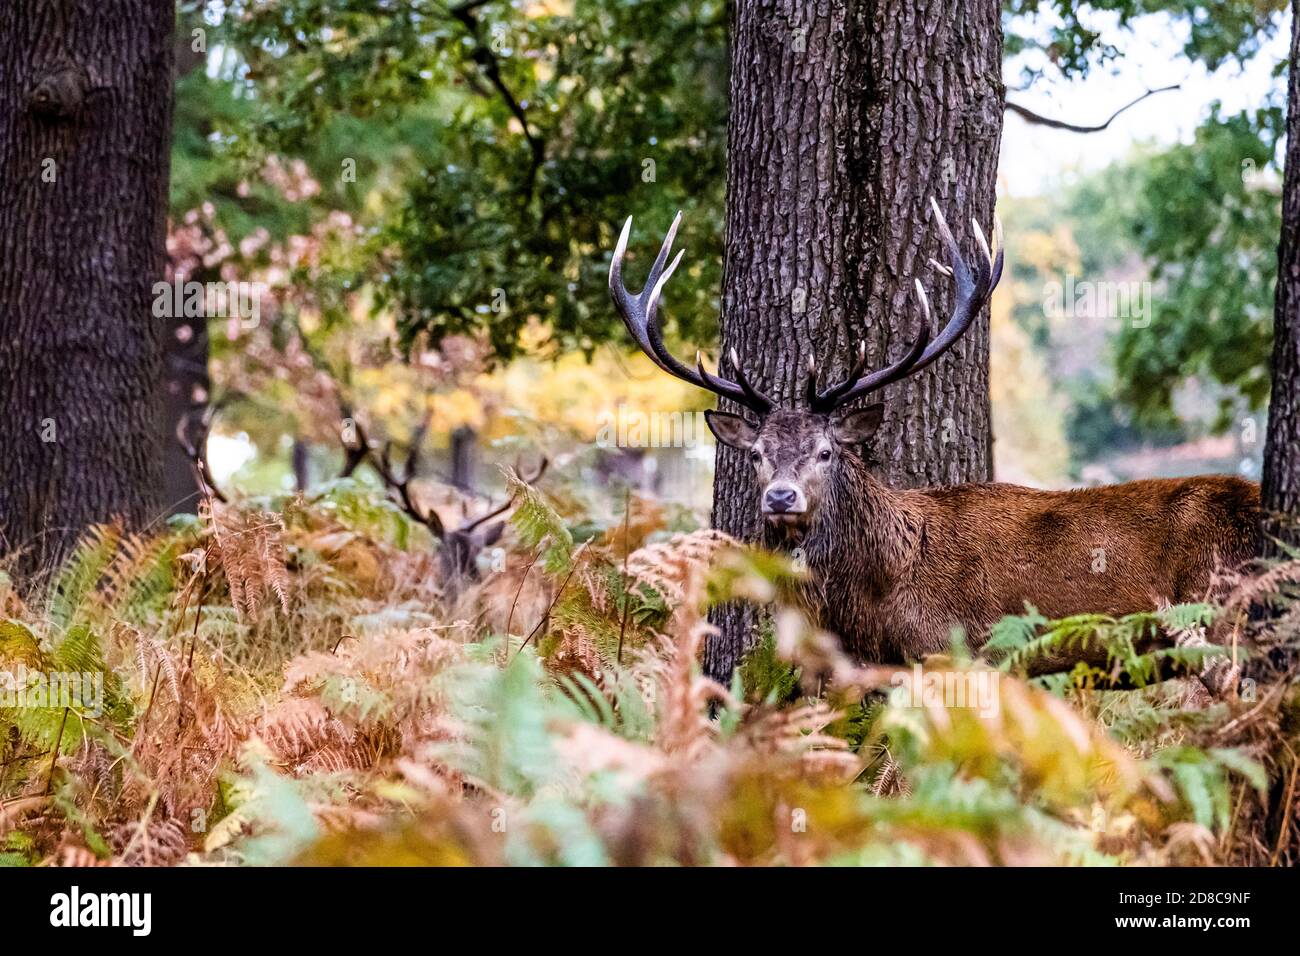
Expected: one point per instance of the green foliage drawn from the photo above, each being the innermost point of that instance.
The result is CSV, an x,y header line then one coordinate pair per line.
x,y
509,710
417,729
1073,44
1018,642
941,801
1206,219
540,526
765,676
495,222
76,579
18,849
273,807
362,509
18,645
408,118
1201,776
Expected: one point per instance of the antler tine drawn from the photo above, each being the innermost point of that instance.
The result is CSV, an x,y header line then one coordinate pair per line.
x,y
810,382
757,400
402,486
636,309
417,440
355,452
540,470
639,313
827,398
973,289
468,526
999,257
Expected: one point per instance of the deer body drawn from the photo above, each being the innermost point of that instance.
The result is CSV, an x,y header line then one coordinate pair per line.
x,y
893,572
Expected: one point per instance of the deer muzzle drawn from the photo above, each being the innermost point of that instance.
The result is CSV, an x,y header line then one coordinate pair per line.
x,y
783,501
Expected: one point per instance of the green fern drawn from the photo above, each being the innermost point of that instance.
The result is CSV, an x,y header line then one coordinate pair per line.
x,y
540,526
766,677
365,510
1202,778
1019,641
141,583
80,573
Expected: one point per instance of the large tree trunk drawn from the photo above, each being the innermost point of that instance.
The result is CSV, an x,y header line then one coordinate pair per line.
x,y
845,120
1281,488
85,122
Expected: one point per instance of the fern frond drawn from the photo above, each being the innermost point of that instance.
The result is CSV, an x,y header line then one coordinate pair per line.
x,y
80,573
540,526
249,545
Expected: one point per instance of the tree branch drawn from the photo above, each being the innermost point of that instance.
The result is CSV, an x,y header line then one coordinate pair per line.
x,y
1038,119
491,67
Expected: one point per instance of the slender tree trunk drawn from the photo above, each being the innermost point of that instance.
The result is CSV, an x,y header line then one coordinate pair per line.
x,y
464,454
186,391
1281,487
187,384
300,459
845,120
85,123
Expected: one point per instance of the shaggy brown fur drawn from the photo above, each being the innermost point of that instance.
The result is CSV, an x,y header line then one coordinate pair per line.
x,y
892,572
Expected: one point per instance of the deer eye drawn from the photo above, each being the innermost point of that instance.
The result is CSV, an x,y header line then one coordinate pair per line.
x,y
755,457
824,455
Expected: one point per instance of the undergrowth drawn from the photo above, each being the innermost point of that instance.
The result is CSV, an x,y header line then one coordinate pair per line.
x,y
285,681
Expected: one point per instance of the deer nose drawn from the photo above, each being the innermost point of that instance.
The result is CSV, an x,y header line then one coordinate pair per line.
x,y
781,499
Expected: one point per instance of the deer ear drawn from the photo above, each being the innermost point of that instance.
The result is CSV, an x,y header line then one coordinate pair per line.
x,y
491,534
858,427
732,430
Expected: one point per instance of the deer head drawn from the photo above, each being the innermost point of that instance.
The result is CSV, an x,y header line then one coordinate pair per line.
x,y
797,452
459,546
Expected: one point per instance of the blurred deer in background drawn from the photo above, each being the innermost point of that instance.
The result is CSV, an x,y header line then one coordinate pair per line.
x,y
891,571
459,547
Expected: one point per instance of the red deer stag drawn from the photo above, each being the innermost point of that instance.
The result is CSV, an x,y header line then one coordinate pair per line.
x,y
894,571
459,547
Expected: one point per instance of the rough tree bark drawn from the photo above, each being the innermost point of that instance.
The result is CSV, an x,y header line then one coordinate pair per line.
x,y
85,122
845,120
1281,485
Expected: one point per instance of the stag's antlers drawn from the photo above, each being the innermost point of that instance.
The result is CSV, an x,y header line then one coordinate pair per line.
x,y
400,486
640,315
973,290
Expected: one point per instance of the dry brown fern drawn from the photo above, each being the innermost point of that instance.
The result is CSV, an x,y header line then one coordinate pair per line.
x,y
249,547
303,735
668,566
150,843
684,696
1250,590
382,699
800,732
